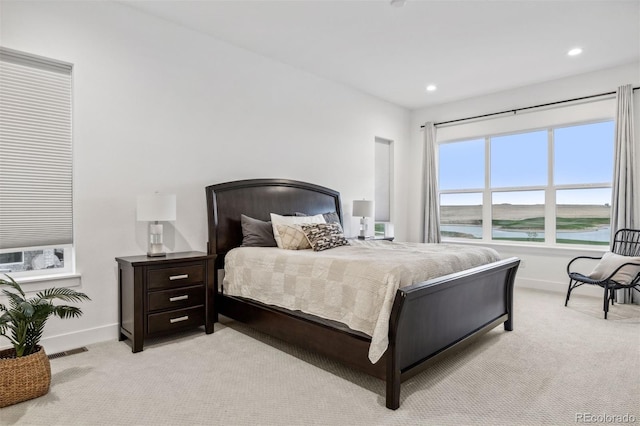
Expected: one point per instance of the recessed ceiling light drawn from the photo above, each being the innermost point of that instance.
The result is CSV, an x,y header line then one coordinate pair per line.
x,y
575,51
431,87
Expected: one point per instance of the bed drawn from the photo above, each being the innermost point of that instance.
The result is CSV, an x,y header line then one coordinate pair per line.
x,y
428,320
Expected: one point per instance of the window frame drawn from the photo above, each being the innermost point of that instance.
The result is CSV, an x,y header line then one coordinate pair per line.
x,y
549,189
379,175
67,270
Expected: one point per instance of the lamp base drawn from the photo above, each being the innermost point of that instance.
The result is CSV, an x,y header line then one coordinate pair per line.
x,y
155,241
363,229
156,254
155,250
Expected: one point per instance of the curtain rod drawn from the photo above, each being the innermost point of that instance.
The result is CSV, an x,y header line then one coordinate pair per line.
x,y
515,110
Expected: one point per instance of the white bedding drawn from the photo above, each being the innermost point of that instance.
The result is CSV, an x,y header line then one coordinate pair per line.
x,y
354,285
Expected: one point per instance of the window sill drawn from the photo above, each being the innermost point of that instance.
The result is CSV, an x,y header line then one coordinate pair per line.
x,y
563,249
42,282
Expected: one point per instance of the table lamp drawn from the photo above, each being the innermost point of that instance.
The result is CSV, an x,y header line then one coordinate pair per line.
x,y
363,209
153,209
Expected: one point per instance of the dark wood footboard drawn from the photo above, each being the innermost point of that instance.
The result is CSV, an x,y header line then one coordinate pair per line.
x,y
436,317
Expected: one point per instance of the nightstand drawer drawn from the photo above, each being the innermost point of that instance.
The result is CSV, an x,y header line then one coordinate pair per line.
x,y
176,298
173,320
175,277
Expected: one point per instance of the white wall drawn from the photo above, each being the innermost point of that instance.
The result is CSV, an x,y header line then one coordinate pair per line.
x,y
542,268
158,107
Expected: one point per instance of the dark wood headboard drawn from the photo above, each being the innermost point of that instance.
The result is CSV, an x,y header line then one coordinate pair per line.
x,y
258,198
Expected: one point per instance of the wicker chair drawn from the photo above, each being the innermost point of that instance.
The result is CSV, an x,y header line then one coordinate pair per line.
x,y
626,242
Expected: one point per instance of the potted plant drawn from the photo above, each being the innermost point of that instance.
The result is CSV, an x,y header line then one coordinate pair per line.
x,y
25,372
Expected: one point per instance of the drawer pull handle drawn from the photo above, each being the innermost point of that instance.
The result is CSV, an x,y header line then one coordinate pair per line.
x,y
178,277
177,298
174,320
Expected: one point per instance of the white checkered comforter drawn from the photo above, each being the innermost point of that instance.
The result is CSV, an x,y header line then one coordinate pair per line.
x,y
354,284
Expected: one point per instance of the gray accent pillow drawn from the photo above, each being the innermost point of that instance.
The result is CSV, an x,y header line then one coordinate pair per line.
x,y
256,233
331,217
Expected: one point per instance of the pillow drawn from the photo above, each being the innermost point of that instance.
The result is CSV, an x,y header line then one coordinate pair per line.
x,y
292,237
256,233
329,217
293,222
323,236
610,262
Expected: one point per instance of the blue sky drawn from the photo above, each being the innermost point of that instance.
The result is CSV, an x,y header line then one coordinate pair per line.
x,y
582,154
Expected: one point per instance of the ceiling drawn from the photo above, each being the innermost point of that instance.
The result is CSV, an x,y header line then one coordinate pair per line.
x,y
467,48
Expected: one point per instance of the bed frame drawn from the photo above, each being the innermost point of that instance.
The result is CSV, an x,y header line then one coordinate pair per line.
x,y
429,320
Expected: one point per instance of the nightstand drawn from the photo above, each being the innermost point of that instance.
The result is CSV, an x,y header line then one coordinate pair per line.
x,y
162,295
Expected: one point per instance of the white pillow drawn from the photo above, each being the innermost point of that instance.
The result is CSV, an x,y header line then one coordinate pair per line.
x,y
293,222
610,262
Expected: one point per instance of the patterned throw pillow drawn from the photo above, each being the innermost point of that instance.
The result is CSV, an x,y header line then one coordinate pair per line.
x,y
323,236
293,221
292,237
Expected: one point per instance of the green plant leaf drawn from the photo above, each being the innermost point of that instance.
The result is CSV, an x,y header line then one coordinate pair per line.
x,y
27,309
66,294
11,283
67,311
22,321
14,299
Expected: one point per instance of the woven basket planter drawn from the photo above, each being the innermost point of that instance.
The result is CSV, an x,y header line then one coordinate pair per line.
x,y
23,378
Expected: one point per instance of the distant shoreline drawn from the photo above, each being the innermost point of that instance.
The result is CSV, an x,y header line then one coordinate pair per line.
x,y
593,228
514,212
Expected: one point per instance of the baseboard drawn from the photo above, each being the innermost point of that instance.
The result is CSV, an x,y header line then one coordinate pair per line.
x,y
557,287
68,341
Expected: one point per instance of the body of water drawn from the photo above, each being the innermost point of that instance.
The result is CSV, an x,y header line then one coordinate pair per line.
x,y
597,235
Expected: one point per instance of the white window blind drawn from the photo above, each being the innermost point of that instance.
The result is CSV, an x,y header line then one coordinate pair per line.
x,y
383,171
35,151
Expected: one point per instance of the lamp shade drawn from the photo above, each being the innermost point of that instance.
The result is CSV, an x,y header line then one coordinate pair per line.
x,y
363,208
156,207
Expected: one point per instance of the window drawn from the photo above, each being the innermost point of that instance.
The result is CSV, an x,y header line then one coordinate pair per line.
x,y
36,230
544,186
383,183
461,215
583,172
461,204
469,153
517,216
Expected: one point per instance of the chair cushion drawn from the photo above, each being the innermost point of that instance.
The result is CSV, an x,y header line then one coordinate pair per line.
x,y
610,262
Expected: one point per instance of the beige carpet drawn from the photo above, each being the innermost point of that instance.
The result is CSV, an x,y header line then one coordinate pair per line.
x,y
558,363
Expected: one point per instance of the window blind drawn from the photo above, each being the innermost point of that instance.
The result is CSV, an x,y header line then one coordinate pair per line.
x,y
383,170
35,151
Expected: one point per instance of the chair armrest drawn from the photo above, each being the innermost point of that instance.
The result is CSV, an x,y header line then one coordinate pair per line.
x,y
580,257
